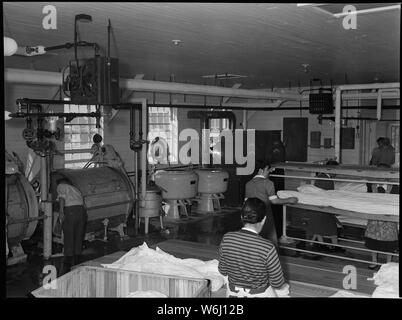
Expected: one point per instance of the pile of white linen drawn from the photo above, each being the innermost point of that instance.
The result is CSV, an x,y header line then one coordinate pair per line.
x,y
387,281
146,294
371,203
347,294
145,259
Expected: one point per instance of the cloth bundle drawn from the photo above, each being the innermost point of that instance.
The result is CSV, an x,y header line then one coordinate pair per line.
x,y
371,203
146,294
387,281
144,259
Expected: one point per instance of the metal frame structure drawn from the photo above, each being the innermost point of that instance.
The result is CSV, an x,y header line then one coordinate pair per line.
x,y
285,239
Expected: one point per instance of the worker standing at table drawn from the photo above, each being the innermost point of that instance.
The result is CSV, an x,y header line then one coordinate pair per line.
x,y
249,261
262,188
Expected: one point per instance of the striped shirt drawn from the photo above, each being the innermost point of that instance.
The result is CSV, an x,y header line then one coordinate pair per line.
x,y
249,261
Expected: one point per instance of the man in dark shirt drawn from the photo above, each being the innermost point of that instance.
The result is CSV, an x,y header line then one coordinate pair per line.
x,y
250,261
384,154
382,157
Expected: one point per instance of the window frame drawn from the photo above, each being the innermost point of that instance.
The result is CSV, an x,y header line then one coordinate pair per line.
x,y
68,154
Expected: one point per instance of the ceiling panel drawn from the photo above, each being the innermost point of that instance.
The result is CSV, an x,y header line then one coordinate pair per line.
x,y
268,42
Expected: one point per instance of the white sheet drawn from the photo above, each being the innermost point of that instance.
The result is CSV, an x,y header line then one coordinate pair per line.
x,y
146,294
347,294
144,259
387,281
371,203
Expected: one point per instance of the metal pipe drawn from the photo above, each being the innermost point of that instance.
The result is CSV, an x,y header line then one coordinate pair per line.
x,y
144,114
343,246
369,86
12,75
337,137
257,107
47,210
328,255
333,179
379,103
244,119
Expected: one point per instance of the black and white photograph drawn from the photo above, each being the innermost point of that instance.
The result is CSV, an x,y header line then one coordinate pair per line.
x,y
201,150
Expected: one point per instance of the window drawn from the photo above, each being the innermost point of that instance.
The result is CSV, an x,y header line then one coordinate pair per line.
x,y
216,126
162,122
78,135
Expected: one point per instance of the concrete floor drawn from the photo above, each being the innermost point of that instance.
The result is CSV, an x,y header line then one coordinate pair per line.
x,y
23,278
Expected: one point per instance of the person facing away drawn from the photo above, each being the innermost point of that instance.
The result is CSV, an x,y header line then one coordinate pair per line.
x,y
74,218
249,261
262,188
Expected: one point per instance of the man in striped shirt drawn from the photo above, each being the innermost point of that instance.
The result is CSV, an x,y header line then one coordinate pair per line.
x,y
250,261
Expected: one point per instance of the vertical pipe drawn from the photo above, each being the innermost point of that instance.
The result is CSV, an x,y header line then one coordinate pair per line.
x,y
244,119
379,102
284,223
47,209
337,137
136,184
144,148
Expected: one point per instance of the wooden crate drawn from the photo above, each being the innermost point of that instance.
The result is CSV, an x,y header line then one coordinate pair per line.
x,y
94,282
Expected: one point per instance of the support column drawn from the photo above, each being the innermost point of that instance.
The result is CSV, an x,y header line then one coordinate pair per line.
x,y
337,137
47,210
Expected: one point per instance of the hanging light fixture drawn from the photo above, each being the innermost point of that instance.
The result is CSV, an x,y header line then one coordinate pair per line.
x,y
10,46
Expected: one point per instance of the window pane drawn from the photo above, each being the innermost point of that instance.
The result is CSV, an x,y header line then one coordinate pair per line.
x,y
73,108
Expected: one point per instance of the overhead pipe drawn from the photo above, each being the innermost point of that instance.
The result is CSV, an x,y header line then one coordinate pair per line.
x,y
12,75
260,107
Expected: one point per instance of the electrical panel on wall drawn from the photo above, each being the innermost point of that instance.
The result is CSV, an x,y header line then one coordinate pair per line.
x,y
95,81
320,102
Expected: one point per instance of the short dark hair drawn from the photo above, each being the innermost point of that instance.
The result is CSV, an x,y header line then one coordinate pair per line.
x,y
386,142
62,180
261,164
381,141
253,211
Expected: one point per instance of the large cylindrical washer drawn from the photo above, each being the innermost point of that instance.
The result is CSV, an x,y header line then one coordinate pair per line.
x,y
177,184
212,181
107,193
22,209
152,204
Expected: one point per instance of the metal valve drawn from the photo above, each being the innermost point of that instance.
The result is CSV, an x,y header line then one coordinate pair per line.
x,y
28,134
